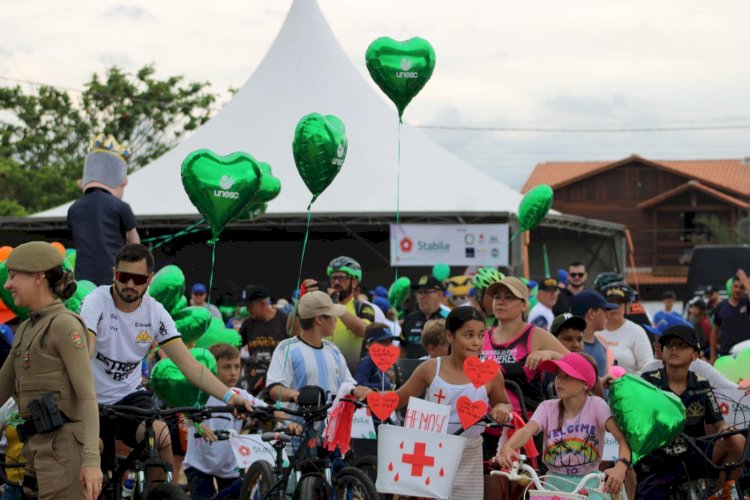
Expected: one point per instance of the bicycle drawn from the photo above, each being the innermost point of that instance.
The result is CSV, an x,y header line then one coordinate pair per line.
x,y
144,457
524,474
317,477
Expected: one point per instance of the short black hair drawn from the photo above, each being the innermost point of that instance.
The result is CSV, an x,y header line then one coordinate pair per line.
x,y
307,323
669,294
461,315
135,252
576,263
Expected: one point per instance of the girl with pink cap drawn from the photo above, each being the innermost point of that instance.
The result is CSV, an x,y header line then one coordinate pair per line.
x,y
573,428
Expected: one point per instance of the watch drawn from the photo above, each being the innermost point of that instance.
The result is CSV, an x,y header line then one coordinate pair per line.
x,y
627,462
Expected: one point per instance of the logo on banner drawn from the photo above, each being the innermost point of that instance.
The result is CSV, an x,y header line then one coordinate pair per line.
x,y
469,239
495,253
470,252
406,244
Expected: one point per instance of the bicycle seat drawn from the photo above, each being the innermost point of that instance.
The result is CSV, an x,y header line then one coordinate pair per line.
x,y
276,436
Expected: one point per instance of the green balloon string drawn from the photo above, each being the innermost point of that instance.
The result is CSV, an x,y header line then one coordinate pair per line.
x,y
299,283
169,237
398,196
208,300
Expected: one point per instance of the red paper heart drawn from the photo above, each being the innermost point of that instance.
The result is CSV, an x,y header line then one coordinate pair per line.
x,y
384,356
480,372
469,412
382,404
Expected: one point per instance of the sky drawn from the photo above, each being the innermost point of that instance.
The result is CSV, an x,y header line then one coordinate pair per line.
x,y
539,65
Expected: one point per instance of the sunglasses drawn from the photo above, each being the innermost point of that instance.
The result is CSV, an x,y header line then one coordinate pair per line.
x,y
576,275
138,279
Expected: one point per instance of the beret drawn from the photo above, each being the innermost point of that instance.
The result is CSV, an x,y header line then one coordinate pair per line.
x,y
34,257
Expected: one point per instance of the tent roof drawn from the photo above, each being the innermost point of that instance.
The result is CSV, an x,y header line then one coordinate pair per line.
x,y
307,71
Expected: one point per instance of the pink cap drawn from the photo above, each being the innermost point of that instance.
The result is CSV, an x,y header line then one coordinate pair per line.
x,y
574,365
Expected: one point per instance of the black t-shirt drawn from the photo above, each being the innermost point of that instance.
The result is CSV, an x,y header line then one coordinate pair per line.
x,y
99,221
733,323
411,332
700,408
262,337
564,300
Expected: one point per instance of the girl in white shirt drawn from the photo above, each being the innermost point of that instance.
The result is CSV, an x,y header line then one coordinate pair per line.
x,y
627,341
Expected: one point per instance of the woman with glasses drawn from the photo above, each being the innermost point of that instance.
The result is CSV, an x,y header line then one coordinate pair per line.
x,y
49,375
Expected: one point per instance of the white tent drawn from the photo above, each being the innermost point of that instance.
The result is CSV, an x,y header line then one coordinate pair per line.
x,y
307,71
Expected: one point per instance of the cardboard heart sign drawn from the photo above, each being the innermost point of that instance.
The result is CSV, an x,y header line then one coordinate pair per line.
x,y
480,372
220,187
384,356
400,69
469,412
382,404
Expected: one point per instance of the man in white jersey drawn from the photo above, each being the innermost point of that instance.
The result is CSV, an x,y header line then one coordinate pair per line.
x,y
123,322
309,359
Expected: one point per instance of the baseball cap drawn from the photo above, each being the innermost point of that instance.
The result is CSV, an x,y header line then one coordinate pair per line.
x,y
567,320
562,276
380,291
428,282
684,332
615,294
583,301
252,293
517,287
548,284
318,303
379,334
667,321
383,303
199,288
711,289
574,365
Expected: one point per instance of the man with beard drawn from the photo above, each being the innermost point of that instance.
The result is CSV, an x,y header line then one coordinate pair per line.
x,y
123,322
577,277
345,275
429,292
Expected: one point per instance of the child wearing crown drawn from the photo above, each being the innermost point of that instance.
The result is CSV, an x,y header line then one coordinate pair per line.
x,y
101,222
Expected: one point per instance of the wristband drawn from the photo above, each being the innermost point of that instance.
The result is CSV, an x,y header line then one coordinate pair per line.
x,y
627,462
227,396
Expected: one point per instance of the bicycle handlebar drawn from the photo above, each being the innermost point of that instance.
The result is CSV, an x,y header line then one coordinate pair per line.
x,y
513,475
488,421
692,442
194,413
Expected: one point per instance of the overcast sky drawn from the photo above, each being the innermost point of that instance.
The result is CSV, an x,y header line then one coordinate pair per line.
x,y
538,64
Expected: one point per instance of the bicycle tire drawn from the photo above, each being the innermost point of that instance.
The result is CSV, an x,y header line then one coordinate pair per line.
x,y
258,481
353,484
167,491
311,487
367,464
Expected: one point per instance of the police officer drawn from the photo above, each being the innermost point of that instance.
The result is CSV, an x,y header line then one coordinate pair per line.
x,y
48,372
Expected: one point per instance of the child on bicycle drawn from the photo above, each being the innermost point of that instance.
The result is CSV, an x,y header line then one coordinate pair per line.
x,y
669,466
573,428
208,460
445,381
367,373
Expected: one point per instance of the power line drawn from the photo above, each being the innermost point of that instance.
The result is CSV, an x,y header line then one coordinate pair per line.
x,y
584,130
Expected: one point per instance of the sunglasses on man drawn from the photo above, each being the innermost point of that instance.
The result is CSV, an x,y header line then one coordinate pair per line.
x,y
576,275
138,279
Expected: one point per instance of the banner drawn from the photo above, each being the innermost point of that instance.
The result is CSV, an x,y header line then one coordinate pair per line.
x,y
249,448
734,405
363,426
426,416
417,463
452,244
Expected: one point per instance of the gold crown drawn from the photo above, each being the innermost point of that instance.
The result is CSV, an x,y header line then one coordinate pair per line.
x,y
108,144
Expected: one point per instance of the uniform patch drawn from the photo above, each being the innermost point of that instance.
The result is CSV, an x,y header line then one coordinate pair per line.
x,y
77,339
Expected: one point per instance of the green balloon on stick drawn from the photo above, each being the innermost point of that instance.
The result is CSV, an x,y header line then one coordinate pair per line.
x,y
171,385
319,150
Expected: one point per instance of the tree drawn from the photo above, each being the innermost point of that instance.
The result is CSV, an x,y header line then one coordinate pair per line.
x,y
44,134
718,232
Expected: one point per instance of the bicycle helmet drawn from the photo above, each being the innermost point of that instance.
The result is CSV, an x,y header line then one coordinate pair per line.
x,y
347,265
485,276
607,278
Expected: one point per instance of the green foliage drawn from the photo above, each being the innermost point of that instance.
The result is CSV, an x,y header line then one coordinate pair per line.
x,y
717,231
44,134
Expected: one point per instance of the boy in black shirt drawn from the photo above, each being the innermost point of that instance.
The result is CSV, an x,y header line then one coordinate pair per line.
x,y
664,469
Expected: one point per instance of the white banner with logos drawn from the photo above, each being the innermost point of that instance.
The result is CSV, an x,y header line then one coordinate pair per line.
x,y
452,244
734,405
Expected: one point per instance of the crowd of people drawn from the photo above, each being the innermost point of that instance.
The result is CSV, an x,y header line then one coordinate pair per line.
x,y
559,345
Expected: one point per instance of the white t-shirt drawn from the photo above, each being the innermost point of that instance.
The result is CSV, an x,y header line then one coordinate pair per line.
x,y
541,316
217,458
122,341
629,345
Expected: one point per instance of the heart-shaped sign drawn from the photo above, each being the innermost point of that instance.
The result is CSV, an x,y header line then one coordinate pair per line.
x,y
382,404
384,356
220,186
469,412
649,417
319,149
480,372
7,297
400,69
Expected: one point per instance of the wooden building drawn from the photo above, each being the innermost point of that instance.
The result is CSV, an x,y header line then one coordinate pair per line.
x,y
664,204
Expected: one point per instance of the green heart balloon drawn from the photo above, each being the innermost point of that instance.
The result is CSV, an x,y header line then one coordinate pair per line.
x,y
173,388
269,187
399,291
534,207
182,303
83,288
168,286
253,210
192,322
649,417
400,69
70,256
223,336
319,149
220,186
7,297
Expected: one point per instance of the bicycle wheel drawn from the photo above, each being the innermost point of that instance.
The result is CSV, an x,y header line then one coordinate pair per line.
x,y
353,484
258,481
167,491
367,464
311,487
